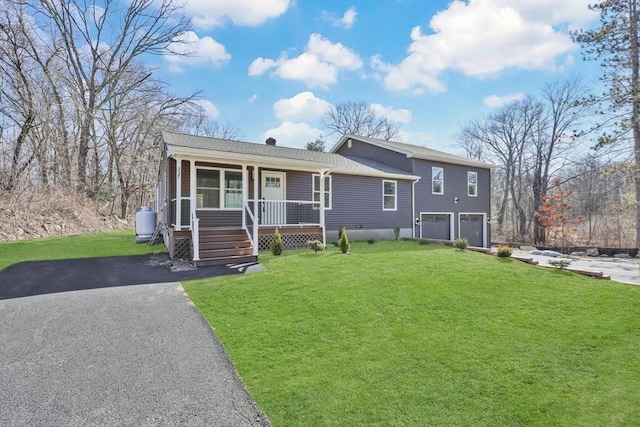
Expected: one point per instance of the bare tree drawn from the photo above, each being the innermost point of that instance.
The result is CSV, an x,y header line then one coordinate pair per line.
x,y
358,118
555,135
101,43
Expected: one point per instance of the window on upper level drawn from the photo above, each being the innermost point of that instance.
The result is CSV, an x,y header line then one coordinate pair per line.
x,y
389,195
437,180
472,184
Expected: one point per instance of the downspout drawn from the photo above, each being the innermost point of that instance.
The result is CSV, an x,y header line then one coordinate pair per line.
x,y
413,208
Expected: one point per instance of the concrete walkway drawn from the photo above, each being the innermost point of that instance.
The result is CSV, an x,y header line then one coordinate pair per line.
x,y
133,355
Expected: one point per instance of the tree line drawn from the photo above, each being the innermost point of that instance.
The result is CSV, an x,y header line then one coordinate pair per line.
x,y
79,109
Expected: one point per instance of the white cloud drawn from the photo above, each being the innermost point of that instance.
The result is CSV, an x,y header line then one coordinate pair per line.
x,y
208,108
191,50
248,13
399,116
495,101
346,21
575,13
295,135
481,38
253,98
260,65
317,66
304,106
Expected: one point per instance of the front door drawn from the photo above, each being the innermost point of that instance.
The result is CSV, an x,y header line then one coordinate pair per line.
x,y
274,208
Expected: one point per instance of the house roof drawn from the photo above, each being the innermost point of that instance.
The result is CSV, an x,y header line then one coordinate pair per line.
x,y
415,151
215,149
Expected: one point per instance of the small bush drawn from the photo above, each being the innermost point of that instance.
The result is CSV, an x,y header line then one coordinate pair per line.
x,y
560,263
316,245
371,241
461,243
276,244
344,241
423,242
504,251
396,232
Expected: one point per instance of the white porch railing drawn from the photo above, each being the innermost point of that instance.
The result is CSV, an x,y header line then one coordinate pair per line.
x,y
286,212
177,214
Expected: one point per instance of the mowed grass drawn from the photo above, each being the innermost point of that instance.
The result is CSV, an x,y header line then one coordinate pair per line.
x,y
401,334
113,243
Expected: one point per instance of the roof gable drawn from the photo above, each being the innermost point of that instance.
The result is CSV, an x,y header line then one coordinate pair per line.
x,y
414,151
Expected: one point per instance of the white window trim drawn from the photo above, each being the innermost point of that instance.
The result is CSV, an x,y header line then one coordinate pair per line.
x,y
395,195
222,188
469,183
441,180
313,190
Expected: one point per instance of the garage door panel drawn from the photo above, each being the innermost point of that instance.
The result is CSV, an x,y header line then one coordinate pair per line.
x,y
436,226
471,228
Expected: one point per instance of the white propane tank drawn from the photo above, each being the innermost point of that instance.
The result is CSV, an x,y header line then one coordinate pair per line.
x,y
145,224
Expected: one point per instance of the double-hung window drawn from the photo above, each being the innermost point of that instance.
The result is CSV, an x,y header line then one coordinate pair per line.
x,y
389,195
437,180
327,190
218,189
472,184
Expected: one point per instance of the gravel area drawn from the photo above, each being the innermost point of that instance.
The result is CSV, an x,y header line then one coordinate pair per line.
x,y
620,270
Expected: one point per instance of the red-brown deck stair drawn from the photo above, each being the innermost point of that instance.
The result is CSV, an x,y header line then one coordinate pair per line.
x,y
224,246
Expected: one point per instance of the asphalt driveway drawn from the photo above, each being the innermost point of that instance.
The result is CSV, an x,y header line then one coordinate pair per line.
x,y
44,277
123,355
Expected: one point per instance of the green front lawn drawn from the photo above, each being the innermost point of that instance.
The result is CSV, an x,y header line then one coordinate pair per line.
x,y
401,334
113,243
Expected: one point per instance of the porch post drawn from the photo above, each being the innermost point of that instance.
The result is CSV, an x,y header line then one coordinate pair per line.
x,y
178,194
256,225
192,188
324,231
244,196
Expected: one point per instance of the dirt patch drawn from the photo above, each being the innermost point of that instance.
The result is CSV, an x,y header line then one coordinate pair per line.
x,y
29,215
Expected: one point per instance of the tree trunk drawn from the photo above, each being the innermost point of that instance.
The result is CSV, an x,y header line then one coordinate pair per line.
x,y
635,113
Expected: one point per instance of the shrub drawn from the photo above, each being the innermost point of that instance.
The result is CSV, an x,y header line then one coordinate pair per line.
x,y
276,244
371,241
344,241
560,263
461,243
316,245
396,232
504,251
423,242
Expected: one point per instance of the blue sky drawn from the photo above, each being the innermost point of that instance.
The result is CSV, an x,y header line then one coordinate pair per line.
x,y
271,67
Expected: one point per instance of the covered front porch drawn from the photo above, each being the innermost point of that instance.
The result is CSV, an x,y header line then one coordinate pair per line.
x,y
225,211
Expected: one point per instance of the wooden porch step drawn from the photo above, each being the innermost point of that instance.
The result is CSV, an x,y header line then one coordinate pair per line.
x,y
219,253
226,260
226,244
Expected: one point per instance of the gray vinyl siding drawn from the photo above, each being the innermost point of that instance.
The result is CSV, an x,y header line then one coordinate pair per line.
x,y
383,155
454,185
357,204
299,185
220,218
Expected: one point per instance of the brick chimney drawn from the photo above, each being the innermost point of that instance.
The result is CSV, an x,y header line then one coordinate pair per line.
x,y
271,141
